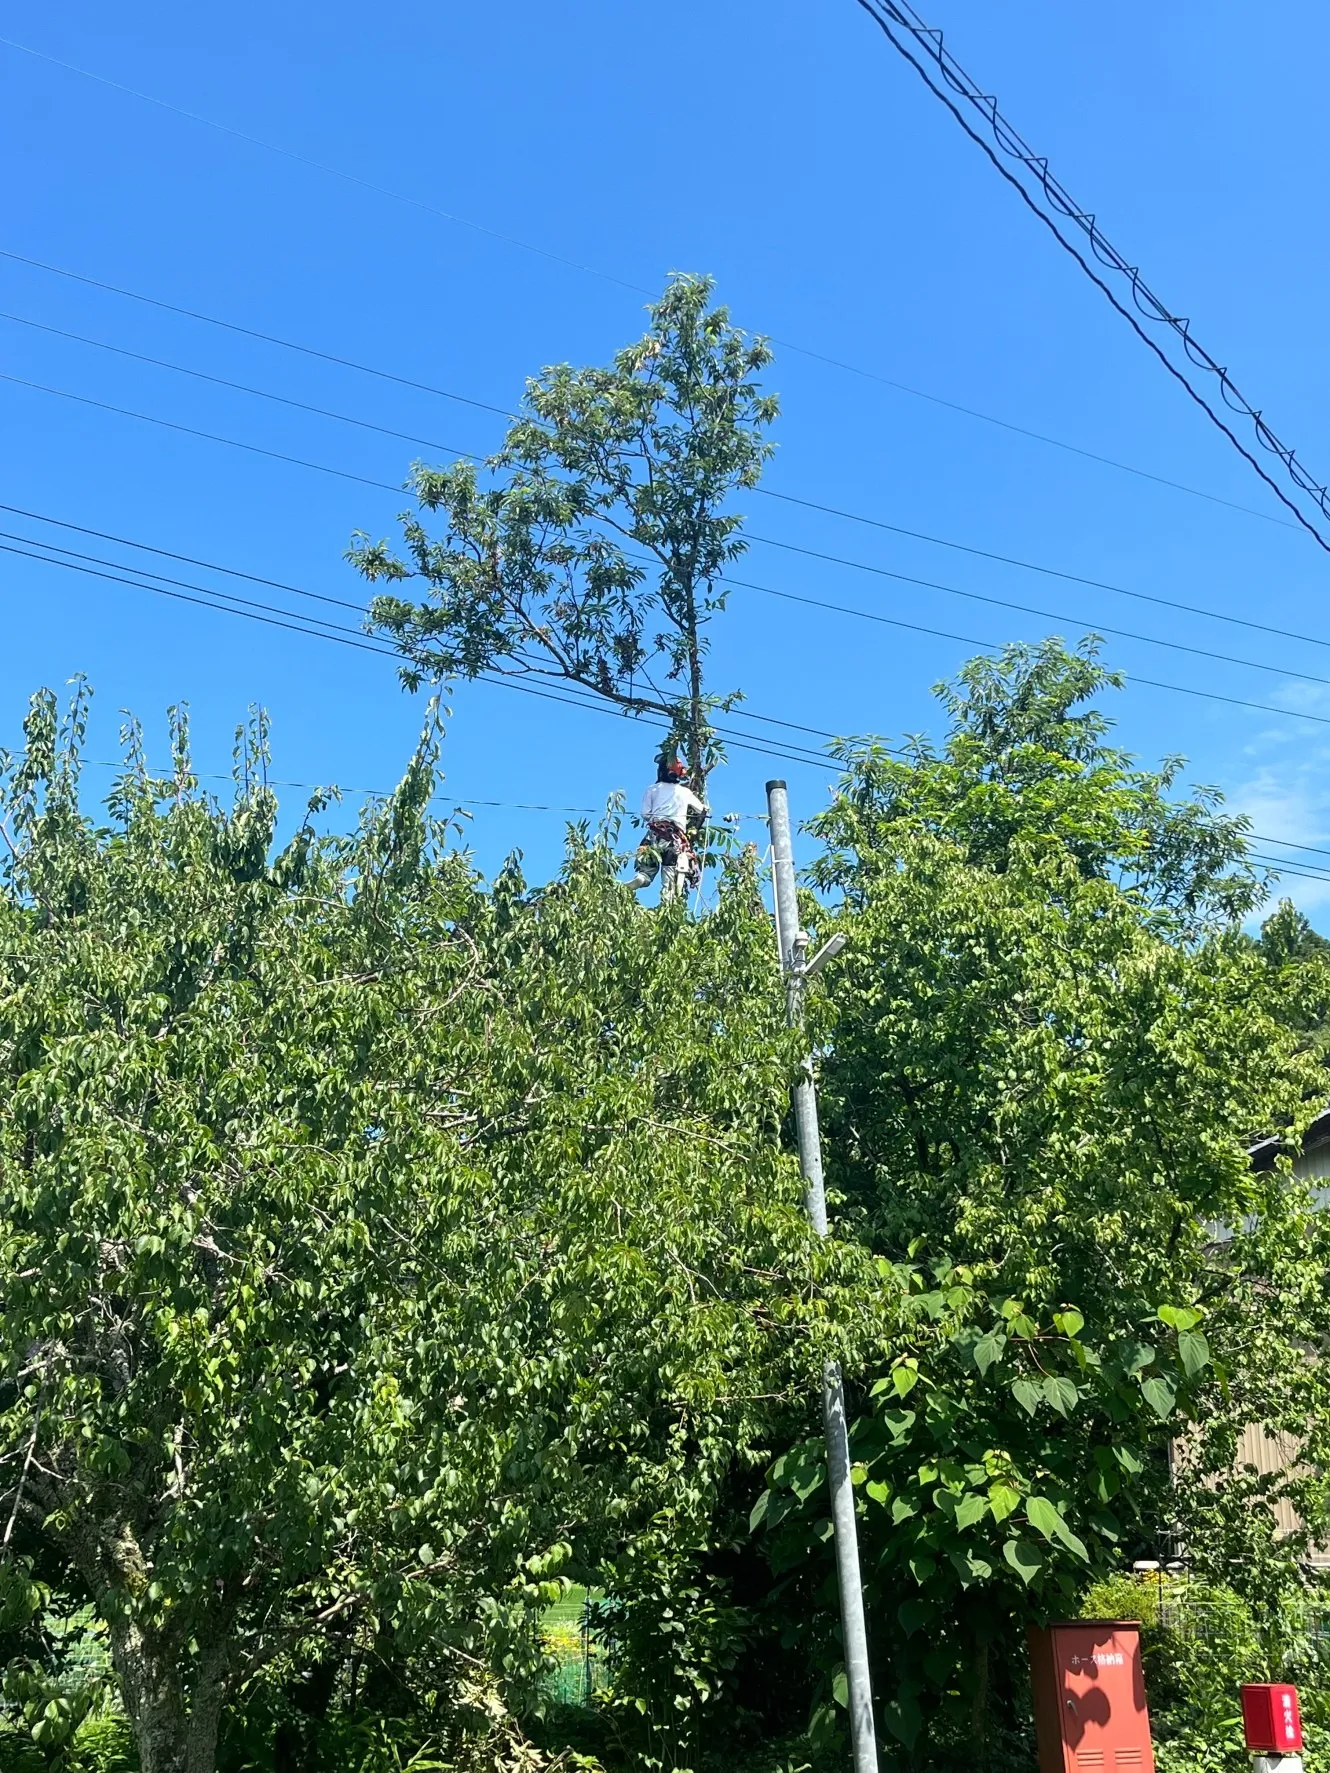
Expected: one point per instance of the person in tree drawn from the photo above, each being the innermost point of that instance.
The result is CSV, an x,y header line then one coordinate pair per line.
x,y
671,813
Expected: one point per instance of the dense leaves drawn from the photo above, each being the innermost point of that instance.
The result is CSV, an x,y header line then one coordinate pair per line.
x,y
379,1250
1045,1050
593,546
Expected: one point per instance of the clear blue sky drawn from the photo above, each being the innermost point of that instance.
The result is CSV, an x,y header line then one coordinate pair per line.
x,y
787,151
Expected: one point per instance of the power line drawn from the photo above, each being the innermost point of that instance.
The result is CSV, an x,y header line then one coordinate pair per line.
x,y
167,554
271,616
912,627
504,412
1050,615
1050,572
766,492
273,455
200,375
988,418
298,591
268,338
863,615
886,12
99,560
1289,844
1279,868
863,566
454,801
526,246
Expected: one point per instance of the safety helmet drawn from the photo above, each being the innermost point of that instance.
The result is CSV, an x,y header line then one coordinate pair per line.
x,y
677,769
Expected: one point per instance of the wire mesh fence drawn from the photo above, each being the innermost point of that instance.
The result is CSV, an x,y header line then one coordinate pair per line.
x,y
579,1659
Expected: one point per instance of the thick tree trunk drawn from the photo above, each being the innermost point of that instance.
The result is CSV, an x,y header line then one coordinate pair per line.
x,y
981,1638
175,1729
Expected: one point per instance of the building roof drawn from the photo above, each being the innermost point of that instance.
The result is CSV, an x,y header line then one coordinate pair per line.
x,y
1264,1153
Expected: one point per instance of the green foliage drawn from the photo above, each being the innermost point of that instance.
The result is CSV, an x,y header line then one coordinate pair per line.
x,y
1199,1642
591,547
1298,960
380,1251
1045,1048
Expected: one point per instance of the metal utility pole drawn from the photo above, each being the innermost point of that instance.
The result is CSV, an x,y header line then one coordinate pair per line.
x,y
798,969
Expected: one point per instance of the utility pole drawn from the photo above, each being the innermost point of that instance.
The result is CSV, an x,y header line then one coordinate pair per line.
x,y
798,969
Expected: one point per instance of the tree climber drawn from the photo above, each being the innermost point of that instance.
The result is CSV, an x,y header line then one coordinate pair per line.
x,y
670,812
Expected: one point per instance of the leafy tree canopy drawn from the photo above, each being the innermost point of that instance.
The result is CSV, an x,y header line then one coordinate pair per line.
x,y
1045,1051
1026,768
593,546
379,1249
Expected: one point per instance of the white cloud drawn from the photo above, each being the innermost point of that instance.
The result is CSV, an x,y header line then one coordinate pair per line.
x,y
1289,804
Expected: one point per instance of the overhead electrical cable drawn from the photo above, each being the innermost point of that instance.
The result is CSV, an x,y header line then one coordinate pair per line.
x,y
640,289
254,449
200,375
1051,615
317,596
1177,689
917,628
586,701
272,616
268,338
1049,572
891,17
762,491
1289,843
103,535
768,541
1299,874
1306,870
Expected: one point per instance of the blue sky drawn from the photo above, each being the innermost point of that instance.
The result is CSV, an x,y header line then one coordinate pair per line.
x,y
782,148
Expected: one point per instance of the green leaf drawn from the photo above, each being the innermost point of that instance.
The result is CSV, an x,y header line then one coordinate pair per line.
x,y
759,1511
1193,1352
971,1509
914,1613
988,1350
1070,1321
1027,1395
840,1688
1160,1396
1136,1355
904,1379
1178,1317
878,1491
1025,1558
1047,1519
1003,1500
1062,1394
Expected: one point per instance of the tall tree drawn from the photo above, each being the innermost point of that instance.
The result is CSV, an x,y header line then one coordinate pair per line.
x,y
378,1250
1047,1050
592,547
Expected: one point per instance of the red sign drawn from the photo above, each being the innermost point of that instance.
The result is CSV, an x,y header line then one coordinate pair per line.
x,y
1270,1720
1089,1698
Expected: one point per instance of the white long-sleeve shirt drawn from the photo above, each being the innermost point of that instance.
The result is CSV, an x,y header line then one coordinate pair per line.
x,y
669,803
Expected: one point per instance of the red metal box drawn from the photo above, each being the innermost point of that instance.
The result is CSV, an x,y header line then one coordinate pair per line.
x,y
1089,1698
1270,1719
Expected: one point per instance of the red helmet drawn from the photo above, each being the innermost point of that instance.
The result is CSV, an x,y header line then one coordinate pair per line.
x,y
677,769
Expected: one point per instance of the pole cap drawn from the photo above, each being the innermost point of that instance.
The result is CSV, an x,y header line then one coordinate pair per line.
x,y
778,783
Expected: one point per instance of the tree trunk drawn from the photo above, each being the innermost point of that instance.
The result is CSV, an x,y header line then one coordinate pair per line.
x,y
981,1638
175,1730
696,747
